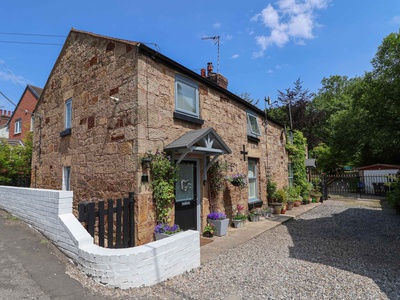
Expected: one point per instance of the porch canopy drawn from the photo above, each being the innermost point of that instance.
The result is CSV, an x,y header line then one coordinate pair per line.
x,y
205,142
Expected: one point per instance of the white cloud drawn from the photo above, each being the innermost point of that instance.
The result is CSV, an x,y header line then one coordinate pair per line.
x,y
235,56
396,20
270,71
217,25
8,78
291,20
228,37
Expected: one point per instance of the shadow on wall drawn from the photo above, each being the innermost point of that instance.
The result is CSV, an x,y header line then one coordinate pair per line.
x,y
361,241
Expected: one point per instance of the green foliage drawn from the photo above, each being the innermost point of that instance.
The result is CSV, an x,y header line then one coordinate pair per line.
x,y
271,189
216,175
297,156
163,177
393,196
15,163
280,196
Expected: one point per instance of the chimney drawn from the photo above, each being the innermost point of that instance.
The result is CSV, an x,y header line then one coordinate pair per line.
x,y
216,78
1,112
9,113
203,72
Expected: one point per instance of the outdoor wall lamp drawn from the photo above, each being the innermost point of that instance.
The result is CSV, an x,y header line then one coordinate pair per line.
x,y
145,166
146,163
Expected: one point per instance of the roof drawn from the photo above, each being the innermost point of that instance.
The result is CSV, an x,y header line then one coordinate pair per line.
x,y
311,163
13,142
380,167
157,56
205,140
36,91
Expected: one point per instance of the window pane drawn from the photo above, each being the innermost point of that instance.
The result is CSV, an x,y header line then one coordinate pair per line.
x,y
255,129
252,188
252,169
68,113
186,99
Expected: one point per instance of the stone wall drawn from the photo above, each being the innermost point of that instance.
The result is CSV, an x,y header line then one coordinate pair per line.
x,y
101,148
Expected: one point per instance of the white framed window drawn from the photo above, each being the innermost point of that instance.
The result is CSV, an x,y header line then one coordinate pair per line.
x,y
253,180
68,113
186,96
66,179
252,125
32,122
18,126
290,174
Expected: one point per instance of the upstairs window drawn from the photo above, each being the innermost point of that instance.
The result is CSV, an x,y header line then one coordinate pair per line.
x,y
32,122
68,113
18,126
186,96
252,125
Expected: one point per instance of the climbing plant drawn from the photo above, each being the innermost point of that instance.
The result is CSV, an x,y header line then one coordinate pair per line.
x,y
296,151
163,174
216,177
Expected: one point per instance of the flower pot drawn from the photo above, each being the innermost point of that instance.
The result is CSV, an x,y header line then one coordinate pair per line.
x,y
296,204
208,234
221,226
235,183
254,218
160,236
238,223
289,206
277,208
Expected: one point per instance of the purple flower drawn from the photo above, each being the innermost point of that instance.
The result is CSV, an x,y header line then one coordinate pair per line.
x,y
165,228
216,216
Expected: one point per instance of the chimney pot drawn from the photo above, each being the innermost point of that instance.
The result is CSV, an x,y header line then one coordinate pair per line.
x,y
210,68
203,72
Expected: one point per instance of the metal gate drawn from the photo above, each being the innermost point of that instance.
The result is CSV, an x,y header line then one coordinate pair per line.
x,y
354,183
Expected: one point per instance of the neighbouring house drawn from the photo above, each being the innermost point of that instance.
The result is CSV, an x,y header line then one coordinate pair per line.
x,y
4,118
376,176
109,101
21,120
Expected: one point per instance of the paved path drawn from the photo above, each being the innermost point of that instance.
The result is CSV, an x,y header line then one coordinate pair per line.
x,y
32,268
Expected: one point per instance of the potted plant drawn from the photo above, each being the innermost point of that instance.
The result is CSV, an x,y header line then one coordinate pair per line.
x,y
163,230
266,212
239,180
283,210
254,215
220,222
279,198
209,230
239,219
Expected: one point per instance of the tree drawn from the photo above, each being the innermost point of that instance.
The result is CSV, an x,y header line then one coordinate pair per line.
x,y
297,111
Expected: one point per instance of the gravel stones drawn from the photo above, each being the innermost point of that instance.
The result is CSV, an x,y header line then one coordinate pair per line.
x,y
339,250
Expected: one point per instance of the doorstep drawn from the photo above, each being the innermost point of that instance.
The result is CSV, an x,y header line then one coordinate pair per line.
x,y
237,236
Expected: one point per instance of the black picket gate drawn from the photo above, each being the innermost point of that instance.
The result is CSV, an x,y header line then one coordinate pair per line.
x,y
115,222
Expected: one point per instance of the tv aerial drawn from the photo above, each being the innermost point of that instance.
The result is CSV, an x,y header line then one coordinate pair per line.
x,y
215,39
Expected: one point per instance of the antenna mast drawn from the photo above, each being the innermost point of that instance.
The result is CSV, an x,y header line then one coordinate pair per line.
x,y
215,39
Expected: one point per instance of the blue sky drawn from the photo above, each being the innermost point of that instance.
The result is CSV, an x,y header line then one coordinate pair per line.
x,y
265,45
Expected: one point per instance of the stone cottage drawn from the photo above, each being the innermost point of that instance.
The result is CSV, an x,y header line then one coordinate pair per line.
x,y
108,101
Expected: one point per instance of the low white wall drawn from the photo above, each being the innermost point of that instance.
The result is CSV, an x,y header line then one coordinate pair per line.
x,y
50,212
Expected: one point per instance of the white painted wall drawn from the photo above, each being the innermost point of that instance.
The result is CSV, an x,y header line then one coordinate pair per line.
x,y
4,132
50,212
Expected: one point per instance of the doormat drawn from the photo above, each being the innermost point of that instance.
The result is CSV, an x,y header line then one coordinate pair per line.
x,y
204,241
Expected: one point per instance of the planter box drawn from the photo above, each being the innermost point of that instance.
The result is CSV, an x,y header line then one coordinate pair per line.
x,y
238,223
254,218
221,226
160,236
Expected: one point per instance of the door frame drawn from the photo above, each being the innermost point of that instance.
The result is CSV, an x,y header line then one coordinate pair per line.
x,y
198,190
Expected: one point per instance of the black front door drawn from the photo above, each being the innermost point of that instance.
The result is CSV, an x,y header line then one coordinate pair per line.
x,y
186,196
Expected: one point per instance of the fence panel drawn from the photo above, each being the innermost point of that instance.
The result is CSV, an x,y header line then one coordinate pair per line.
x,y
119,226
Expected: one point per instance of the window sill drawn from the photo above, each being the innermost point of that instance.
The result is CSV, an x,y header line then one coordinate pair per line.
x,y
187,118
251,138
65,132
255,203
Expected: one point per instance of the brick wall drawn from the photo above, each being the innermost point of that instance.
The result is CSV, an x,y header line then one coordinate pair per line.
x,y
26,106
50,212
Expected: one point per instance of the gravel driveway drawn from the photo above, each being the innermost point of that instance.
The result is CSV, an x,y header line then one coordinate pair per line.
x,y
339,250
